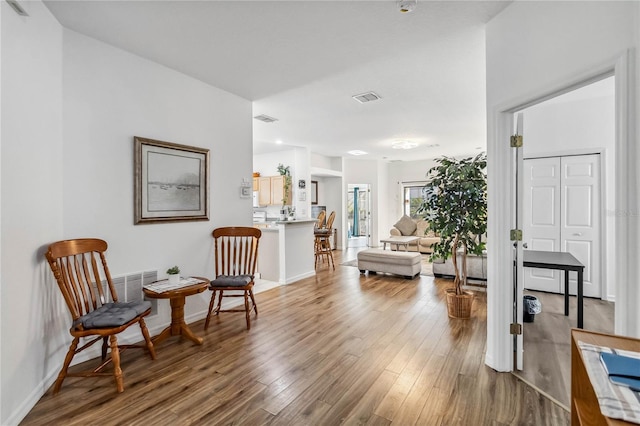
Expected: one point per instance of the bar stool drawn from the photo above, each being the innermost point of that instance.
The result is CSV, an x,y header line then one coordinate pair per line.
x,y
322,242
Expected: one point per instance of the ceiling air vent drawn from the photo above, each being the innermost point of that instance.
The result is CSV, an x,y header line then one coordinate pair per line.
x,y
366,97
17,8
265,118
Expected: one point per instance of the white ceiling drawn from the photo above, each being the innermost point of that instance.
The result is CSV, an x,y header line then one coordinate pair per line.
x,y
301,61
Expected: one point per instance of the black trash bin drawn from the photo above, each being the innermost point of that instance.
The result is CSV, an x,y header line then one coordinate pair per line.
x,y
531,306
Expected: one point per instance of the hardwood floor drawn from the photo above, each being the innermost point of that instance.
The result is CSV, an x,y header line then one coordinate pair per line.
x,y
332,349
547,341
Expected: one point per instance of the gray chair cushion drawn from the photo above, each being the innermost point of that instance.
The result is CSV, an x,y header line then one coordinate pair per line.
x,y
112,314
231,281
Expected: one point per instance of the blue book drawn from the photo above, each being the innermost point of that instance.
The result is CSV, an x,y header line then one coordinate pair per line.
x,y
622,370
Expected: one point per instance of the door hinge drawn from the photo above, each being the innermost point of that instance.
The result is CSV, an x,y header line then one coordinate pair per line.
x,y
516,235
515,328
516,141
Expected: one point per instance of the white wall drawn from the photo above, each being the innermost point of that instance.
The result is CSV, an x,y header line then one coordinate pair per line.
x,y
32,320
73,105
581,126
533,49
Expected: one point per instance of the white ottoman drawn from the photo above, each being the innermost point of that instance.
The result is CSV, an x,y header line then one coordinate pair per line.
x,y
393,262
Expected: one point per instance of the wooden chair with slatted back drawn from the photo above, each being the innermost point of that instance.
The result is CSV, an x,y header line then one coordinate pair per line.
x,y
80,269
320,219
322,243
235,257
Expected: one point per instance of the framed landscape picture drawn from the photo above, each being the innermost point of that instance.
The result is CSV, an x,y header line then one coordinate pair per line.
x,y
171,182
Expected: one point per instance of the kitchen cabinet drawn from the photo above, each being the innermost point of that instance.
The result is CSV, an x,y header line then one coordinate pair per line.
x,y
271,191
264,190
256,184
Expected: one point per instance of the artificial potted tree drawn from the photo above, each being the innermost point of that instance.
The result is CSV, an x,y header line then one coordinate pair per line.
x,y
455,205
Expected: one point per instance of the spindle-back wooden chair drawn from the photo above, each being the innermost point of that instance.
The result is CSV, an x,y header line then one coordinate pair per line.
x,y
235,258
80,269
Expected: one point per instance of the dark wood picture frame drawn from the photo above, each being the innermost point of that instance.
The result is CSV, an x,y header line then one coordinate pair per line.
x,y
314,192
171,182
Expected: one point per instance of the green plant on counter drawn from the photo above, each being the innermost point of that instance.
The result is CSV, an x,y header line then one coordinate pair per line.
x,y
173,271
286,173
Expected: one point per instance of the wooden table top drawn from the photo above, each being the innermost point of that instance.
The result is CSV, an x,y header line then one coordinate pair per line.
x,y
179,292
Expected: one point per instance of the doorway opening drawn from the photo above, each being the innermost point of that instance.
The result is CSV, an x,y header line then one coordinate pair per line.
x,y
358,215
568,170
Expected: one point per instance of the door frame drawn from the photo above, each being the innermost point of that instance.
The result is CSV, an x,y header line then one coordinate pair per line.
x,y
500,347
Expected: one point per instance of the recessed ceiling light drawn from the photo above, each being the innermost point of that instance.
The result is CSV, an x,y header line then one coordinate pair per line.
x,y
356,152
404,145
265,118
278,142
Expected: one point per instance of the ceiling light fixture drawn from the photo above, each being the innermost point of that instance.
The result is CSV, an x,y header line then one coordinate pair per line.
x,y
278,142
356,152
407,6
404,145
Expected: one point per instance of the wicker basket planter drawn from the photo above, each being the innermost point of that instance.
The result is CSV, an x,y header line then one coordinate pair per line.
x,y
459,305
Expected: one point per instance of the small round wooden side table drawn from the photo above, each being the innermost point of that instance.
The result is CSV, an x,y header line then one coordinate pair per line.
x,y
177,299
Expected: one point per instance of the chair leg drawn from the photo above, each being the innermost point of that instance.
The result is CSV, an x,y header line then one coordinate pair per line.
x,y
211,303
147,339
247,311
253,299
219,303
115,357
330,256
104,348
65,366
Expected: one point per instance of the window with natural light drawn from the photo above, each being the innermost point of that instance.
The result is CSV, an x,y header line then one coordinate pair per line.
x,y
413,196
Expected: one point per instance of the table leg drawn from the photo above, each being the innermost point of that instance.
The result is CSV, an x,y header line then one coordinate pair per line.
x,y
384,245
580,291
178,326
566,293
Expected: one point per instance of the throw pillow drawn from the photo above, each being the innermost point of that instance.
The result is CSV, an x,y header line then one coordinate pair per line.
x,y
405,225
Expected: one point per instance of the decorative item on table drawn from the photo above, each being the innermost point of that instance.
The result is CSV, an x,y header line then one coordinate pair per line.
x,y
292,213
455,205
174,275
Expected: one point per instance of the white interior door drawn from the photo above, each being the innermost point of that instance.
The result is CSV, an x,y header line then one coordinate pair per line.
x,y
580,231
542,218
562,213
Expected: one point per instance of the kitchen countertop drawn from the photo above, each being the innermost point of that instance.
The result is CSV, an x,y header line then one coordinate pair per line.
x,y
269,223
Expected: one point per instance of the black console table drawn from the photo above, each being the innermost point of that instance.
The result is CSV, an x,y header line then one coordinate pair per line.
x,y
562,261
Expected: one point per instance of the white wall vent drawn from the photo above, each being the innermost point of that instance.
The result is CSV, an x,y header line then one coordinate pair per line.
x,y
265,118
129,287
366,97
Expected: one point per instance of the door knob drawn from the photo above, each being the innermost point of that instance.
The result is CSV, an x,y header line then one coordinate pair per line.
x,y
525,245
